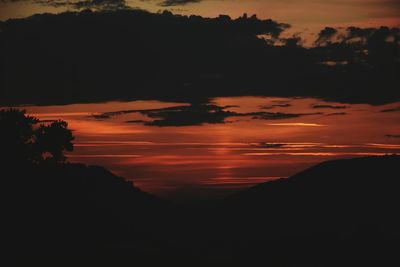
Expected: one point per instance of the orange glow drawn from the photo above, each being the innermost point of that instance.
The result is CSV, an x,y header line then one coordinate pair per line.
x,y
240,153
301,124
305,16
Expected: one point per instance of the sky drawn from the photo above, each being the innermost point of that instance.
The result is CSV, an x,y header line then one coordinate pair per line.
x,y
303,15
202,159
216,147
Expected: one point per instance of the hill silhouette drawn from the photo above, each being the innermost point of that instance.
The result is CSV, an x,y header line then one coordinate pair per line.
x,y
70,210
368,181
338,212
343,211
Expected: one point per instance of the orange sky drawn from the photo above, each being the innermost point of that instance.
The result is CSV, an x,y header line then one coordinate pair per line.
x,y
307,17
235,153
302,14
215,159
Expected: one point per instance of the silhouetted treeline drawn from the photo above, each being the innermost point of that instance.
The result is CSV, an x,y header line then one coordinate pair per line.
x,y
132,54
25,139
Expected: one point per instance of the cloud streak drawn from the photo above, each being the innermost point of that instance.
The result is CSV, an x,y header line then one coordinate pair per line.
x,y
167,3
79,4
321,106
196,114
391,109
297,124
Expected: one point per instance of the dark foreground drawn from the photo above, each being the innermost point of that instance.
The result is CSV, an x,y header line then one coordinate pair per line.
x,y
338,213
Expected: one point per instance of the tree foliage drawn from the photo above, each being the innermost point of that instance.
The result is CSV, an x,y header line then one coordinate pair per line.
x,y
25,139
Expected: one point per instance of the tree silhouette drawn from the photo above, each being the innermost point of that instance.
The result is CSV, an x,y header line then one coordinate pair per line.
x,y
52,140
23,139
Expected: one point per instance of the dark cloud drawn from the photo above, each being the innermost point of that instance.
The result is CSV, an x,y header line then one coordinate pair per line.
x,y
102,4
279,115
108,115
360,37
391,109
281,101
392,135
46,121
268,145
196,114
136,121
178,2
372,47
337,114
317,106
325,36
80,4
133,54
187,115
283,105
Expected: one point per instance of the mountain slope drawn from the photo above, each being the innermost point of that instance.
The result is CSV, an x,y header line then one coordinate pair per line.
x,y
63,211
332,195
338,213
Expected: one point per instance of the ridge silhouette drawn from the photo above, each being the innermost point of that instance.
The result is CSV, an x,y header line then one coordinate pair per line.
x,y
342,210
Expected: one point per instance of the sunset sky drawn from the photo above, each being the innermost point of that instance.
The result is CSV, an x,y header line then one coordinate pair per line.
x,y
302,14
241,151
200,132
197,106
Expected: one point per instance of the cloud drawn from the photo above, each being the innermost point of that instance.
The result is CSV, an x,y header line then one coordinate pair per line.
x,y
392,135
297,124
101,4
325,36
279,115
80,4
282,105
317,106
195,114
337,114
180,58
391,109
185,115
268,145
137,121
108,115
178,2
360,37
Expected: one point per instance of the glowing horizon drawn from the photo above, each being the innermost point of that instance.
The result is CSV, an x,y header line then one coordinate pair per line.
x,y
234,154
